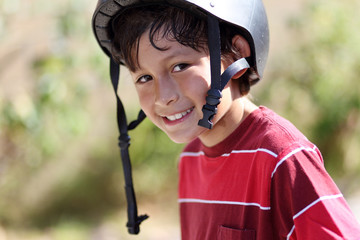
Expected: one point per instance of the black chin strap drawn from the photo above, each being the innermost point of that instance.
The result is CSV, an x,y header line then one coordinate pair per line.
x,y
218,80
134,220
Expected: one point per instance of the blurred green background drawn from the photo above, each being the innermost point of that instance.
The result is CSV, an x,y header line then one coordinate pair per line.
x,y
60,171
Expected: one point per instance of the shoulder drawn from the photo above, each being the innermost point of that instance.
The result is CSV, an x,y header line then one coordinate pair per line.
x,y
276,133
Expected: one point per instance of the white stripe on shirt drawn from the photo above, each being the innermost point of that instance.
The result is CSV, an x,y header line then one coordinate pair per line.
x,y
194,200
309,206
196,154
291,154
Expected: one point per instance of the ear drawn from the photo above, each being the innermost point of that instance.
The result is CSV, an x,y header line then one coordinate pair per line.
x,y
243,47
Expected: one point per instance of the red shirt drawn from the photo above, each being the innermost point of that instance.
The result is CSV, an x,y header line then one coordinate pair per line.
x,y
264,181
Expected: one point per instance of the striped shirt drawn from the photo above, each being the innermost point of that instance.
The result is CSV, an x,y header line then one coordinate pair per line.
x,y
264,181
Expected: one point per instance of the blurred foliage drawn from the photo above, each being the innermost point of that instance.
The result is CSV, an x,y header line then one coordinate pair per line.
x,y
314,82
59,160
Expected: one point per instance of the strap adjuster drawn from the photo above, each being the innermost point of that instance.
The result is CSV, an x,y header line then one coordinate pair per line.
x,y
210,108
124,141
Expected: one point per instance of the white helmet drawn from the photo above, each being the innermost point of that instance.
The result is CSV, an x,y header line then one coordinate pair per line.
x,y
248,15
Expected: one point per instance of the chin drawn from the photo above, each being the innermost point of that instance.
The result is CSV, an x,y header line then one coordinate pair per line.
x,y
181,140
186,138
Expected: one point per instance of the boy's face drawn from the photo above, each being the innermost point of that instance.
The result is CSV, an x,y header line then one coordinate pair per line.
x,y
172,86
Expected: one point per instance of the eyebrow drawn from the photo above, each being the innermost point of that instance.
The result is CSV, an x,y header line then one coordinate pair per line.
x,y
171,55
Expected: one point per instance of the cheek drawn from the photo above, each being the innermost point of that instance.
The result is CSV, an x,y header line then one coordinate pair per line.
x,y
195,87
145,100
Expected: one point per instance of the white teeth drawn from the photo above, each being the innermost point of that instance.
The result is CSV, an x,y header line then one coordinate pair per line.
x,y
178,115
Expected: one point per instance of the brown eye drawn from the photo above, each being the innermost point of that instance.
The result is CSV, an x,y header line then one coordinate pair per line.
x,y
144,79
180,67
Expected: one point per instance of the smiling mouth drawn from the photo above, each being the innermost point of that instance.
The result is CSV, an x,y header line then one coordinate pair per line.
x,y
179,115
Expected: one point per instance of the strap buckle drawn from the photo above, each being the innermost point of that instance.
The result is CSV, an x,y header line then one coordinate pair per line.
x,y
210,108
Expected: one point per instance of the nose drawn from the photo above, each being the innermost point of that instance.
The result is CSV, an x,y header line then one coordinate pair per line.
x,y
166,91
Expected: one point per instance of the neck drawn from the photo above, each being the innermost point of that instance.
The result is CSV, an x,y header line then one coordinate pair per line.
x,y
235,115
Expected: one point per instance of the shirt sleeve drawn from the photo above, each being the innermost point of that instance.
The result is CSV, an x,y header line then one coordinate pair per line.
x,y
305,201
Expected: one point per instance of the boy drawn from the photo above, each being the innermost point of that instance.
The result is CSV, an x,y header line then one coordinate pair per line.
x,y
246,173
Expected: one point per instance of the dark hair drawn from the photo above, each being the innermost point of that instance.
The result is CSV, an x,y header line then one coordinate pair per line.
x,y
174,24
